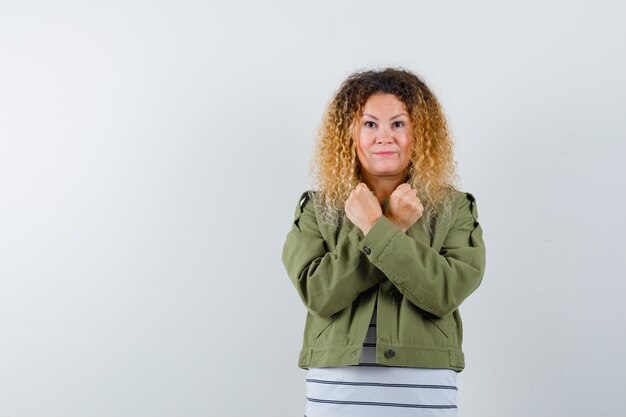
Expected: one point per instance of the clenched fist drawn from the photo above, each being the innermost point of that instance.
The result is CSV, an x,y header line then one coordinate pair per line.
x,y
362,208
404,208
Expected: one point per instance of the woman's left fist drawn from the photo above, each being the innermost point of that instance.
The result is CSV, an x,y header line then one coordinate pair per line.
x,y
404,207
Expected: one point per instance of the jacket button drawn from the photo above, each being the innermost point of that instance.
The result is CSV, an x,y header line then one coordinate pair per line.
x,y
390,353
393,293
367,250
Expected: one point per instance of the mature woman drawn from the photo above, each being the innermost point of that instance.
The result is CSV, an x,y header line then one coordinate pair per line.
x,y
383,253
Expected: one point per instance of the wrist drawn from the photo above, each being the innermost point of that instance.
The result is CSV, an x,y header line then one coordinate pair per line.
x,y
398,223
371,224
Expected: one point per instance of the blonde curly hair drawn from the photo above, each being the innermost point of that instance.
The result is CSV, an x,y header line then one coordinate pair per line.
x,y
335,166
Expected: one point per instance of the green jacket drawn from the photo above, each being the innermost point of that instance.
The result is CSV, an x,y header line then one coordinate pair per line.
x,y
418,281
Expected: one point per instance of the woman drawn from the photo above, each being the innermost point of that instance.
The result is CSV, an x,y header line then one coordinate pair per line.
x,y
383,254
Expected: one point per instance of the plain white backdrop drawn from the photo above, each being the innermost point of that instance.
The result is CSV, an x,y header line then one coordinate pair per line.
x,y
152,153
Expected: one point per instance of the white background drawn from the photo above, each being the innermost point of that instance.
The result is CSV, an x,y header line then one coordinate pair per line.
x,y
152,153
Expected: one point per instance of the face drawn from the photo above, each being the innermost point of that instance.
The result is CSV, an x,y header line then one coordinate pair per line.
x,y
384,138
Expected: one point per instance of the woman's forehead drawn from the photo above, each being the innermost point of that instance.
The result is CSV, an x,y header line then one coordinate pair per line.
x,y
378,103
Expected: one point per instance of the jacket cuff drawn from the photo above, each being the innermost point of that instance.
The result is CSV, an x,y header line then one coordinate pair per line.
x,y
378,237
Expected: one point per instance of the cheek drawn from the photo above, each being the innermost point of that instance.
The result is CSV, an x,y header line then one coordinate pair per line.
x,y
361,144
408,144
359,153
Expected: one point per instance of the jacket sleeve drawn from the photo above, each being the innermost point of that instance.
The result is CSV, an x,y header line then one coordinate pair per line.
x,y
327,282
436,282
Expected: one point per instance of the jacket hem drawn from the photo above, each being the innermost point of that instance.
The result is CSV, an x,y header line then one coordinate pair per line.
x,y
410,356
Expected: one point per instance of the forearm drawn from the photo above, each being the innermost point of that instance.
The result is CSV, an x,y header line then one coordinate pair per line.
x,y
435,282
326,281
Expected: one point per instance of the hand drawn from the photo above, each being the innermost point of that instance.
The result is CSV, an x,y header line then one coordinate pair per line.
x,y
362,208
403,207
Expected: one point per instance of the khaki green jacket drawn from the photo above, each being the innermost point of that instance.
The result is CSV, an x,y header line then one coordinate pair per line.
x,y
418,281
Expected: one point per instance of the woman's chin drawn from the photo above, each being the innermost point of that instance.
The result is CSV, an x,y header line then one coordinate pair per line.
x,y
387,172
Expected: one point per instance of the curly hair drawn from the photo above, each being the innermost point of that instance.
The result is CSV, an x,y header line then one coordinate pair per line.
x,y
335,166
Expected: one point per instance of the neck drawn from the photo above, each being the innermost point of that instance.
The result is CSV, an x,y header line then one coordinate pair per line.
x,y
383,186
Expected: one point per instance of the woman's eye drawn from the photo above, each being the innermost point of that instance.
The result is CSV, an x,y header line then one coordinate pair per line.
x,y
370,124
398,124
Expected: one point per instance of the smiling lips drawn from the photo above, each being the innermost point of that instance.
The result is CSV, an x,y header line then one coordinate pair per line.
x,y
384,153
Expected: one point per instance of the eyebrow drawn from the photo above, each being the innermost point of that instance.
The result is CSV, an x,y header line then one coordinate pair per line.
x,y
376,118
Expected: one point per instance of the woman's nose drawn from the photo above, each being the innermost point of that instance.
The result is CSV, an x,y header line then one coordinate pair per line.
x,y
384,135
